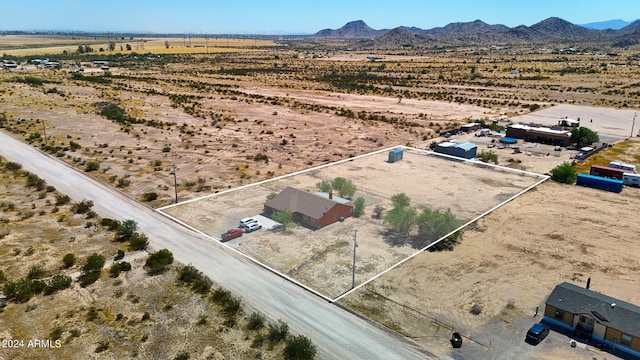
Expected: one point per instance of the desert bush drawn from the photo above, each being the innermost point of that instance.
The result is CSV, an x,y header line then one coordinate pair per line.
x,y
138,241
299,348
56,283
488,156
125,230
199,282
564,173
62,200
34,180
12,166
36,272
69,260
183,355
114,270
94,263
255,321
88,279
103,345
3,277
92,166
377,212
23,290
109,223
277,332
82,207
149,196
119,256
158,261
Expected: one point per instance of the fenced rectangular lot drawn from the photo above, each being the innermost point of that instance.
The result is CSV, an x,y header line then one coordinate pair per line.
x,y
322,259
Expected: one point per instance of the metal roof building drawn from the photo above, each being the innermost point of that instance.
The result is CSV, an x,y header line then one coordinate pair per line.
x,y
465,150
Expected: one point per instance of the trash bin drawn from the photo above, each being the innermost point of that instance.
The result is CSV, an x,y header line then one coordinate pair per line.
x,y
456,340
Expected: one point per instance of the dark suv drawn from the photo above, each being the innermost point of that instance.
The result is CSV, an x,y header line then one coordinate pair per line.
x,y
537,333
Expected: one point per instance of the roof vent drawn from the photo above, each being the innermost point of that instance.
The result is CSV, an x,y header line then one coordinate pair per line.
x,y
613,305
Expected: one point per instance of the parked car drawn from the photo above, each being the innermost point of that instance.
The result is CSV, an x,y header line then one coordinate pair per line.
x,y
252,227
246,221
231,234
537,333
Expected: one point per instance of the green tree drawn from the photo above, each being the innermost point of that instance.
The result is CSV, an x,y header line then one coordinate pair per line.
x,y
324,186
358,207
433,224
344,187
564,173
400,200
299,348
433,145
488,156
403,216
158,261
284,217
584,136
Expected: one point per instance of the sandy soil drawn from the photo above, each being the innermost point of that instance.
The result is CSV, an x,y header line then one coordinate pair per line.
x,y
515,257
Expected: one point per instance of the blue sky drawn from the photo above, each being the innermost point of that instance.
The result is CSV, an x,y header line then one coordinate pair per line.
x,y
293,16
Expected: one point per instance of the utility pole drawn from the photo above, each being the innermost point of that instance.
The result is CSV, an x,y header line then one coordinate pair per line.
x,y
175,181
634,123
353,273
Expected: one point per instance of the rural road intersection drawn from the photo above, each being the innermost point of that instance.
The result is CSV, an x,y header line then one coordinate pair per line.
x,y
337,333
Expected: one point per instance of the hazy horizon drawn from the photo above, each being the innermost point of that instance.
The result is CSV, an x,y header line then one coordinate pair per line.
x,y
278,17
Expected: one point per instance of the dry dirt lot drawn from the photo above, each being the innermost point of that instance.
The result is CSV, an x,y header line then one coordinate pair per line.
x,y
508,266
322,259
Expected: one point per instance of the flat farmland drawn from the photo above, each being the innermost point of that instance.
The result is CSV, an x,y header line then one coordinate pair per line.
x,y
322,259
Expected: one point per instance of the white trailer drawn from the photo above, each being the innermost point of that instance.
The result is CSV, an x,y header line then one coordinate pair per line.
x,y
631,179
621,165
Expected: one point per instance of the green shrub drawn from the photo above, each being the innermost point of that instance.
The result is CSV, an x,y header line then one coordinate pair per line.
x,y
158,261
56,283
69,260
255,321
94,263
138,241
36,272
277,332
89,278
184,355
299,348
119,256
92,166
564,173
82,207
149,196
62,200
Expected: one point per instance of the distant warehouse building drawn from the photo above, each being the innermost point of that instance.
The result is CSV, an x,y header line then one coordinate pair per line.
x,y
465,150
541,135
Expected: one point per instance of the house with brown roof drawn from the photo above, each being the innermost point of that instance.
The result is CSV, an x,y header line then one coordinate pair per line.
x,y
592,315
308,209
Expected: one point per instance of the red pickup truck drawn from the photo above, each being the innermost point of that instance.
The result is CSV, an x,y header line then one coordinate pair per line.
x,y
231,234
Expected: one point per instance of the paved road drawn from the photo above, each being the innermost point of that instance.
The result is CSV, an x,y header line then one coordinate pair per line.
x,y
337,333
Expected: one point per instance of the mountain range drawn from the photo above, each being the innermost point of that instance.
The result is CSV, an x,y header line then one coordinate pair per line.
x,y
547,31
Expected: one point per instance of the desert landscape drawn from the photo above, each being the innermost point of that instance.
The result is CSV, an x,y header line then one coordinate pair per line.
x,y
216,121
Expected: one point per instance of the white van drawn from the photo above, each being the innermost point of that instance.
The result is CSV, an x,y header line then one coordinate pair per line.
x,y
246,221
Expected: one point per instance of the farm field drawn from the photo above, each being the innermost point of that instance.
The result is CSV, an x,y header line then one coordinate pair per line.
x,y
256,111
